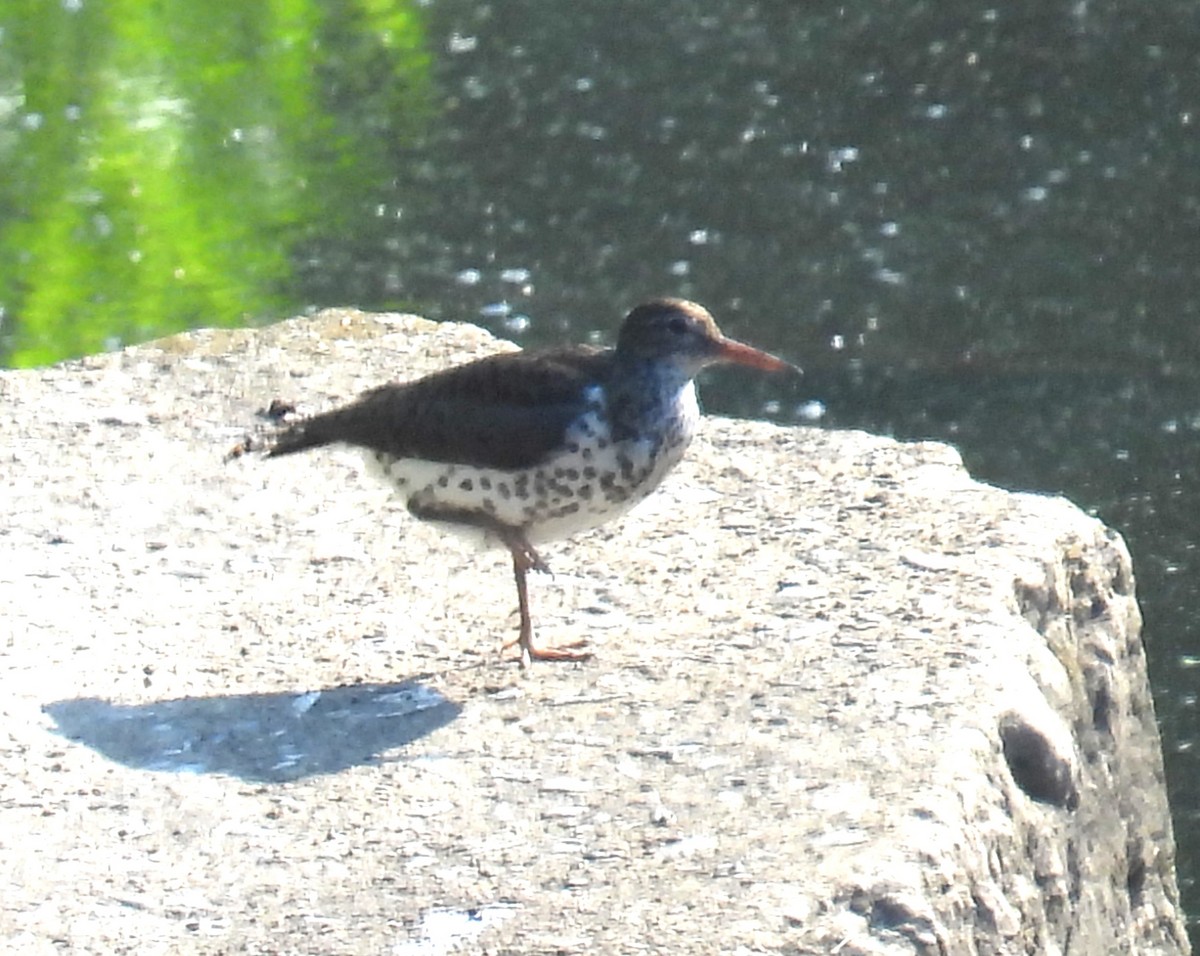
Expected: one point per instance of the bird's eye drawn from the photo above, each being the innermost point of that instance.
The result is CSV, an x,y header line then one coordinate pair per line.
x,y
678,324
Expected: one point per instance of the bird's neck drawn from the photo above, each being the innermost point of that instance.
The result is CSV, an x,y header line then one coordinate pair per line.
x,y
648,398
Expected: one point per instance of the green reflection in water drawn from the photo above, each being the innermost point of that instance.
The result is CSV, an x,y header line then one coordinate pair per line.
x,y
164,160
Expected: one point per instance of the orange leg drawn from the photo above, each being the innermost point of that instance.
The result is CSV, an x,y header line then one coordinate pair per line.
x,y
526,559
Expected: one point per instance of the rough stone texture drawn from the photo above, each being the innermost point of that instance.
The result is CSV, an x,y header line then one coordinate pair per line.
x,y
253,707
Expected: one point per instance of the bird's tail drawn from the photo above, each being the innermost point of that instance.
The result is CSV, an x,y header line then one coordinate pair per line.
x,y
353,424
312,433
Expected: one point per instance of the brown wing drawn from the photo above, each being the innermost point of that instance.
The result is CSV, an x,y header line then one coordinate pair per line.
x,y
505,411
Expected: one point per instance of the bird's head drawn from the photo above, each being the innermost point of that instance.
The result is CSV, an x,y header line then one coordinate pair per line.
x,y
683,334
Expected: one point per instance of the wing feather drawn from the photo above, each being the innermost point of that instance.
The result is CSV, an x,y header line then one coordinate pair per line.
x,y
506,411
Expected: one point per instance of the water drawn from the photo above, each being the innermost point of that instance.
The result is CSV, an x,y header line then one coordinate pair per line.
x,y
972,222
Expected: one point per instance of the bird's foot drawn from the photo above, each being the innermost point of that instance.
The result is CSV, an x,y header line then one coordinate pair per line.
x,y
561,652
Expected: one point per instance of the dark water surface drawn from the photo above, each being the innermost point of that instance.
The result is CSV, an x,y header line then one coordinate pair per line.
x,y
969,222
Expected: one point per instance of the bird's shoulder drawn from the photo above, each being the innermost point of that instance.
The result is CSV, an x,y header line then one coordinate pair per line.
x,y
505,411
524,378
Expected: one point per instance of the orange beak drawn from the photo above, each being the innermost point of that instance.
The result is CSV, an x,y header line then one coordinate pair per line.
x,y
730,350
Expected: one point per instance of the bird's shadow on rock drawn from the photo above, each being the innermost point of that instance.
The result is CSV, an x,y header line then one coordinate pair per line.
x,y
267,738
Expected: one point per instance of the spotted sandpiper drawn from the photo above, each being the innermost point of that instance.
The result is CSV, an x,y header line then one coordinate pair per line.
x,y
527,447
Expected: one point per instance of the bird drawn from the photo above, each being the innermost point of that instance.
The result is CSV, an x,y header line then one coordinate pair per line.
x,y
527,447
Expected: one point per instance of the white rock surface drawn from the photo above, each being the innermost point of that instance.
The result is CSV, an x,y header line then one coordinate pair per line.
x,y
845,699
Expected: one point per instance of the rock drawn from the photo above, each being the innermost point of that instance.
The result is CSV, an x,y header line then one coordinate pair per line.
x,y
854,703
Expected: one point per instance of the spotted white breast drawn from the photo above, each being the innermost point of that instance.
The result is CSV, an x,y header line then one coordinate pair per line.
x,y
591,480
